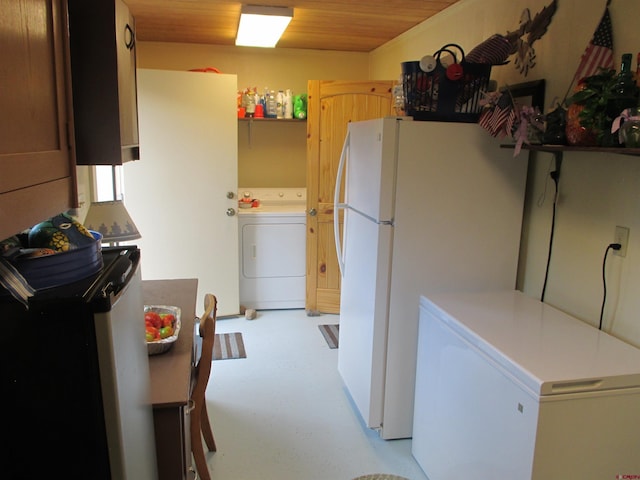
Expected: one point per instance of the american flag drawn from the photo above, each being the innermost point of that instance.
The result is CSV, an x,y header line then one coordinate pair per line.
x,y
599,52
499,119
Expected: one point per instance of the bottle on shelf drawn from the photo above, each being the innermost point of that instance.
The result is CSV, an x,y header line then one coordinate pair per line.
x,y
271,111
625,86
250,102
625,94
280,104
288,104
300,106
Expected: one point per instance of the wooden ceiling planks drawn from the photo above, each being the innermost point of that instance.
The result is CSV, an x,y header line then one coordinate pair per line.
x,y
343,25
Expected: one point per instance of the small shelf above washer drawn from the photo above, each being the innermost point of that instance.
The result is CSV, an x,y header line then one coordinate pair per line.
x,y
269,121
264,119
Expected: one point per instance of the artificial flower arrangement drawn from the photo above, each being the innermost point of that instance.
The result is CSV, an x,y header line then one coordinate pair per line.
x,y
588,117
502,116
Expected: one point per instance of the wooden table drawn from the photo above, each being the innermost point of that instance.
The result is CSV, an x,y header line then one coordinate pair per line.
x,y
171,379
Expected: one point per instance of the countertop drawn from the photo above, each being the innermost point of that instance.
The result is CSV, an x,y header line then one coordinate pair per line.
x,y
176,363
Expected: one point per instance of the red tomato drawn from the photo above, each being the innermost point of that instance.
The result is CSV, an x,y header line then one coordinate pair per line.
x,y
153,318
154,332
168,319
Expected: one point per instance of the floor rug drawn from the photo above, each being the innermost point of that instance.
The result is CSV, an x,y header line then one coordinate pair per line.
x,y
330,333
228,345
380,476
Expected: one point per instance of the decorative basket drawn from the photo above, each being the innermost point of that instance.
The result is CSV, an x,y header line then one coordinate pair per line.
x,y
438,92
163,345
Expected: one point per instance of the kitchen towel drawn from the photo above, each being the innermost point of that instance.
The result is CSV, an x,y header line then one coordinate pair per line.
x,y
330,333
228,346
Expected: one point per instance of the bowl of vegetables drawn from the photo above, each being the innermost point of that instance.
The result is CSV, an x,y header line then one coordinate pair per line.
x,y
162,326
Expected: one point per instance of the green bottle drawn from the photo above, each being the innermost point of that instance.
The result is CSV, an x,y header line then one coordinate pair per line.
x,y
624,94
625,86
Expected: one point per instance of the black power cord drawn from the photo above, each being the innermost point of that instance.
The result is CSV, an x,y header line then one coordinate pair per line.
x,y
555,175
611,246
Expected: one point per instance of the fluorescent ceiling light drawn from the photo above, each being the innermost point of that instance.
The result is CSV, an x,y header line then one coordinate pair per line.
x,y
262,26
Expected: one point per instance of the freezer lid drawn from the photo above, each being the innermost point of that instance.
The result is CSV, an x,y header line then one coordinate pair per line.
x,y
544,349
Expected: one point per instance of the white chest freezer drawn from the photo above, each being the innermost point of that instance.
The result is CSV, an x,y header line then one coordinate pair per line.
x,y
510,387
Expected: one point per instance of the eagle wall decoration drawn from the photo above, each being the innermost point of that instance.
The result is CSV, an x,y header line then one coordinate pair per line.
x,y
530,30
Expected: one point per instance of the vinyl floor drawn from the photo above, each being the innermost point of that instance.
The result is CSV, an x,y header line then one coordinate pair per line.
x,y
282,413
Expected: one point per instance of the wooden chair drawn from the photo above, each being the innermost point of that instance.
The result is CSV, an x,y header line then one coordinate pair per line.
x,y
199,418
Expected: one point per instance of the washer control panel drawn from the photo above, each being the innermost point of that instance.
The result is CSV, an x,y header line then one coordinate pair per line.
x,y
275,196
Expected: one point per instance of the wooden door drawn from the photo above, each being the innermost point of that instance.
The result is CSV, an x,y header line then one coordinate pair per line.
x,y
182,192
331,106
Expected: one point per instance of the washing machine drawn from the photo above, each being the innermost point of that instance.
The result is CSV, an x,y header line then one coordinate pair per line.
x,y
272,236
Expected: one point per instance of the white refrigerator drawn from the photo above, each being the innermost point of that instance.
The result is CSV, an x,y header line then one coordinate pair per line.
x,y
428,207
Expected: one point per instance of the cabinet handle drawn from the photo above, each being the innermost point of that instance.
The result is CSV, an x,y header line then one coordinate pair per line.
x,y
191,406
129,37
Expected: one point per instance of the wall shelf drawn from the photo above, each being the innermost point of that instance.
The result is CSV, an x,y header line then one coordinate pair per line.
x,y
558,151
569,148
254,119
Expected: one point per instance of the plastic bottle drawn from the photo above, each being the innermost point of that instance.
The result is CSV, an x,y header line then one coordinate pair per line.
x,y
300,106
271,105
288,104
250,103
279,104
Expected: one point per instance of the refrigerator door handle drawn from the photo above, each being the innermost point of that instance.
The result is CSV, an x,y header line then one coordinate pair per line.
x,y
337,206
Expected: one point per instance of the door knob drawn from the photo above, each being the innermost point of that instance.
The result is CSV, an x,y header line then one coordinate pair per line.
x,y
230,195
230,212
313,212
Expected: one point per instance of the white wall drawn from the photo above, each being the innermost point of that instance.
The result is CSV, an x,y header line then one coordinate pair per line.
x,y
597,191
274,154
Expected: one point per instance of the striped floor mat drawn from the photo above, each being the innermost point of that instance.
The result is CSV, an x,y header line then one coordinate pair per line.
x,y
228,345
330,333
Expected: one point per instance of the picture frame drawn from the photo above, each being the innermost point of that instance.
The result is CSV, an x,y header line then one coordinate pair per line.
x,y
528,93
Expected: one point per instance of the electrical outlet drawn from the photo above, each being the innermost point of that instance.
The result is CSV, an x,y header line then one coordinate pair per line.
x,y
621,236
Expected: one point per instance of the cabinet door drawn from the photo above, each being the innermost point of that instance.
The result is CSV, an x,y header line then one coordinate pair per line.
x,y
126,59
173,447
102,35
36,160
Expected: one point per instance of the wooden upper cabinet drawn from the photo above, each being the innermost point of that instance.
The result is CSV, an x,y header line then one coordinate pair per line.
x,y
103,63
37,167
